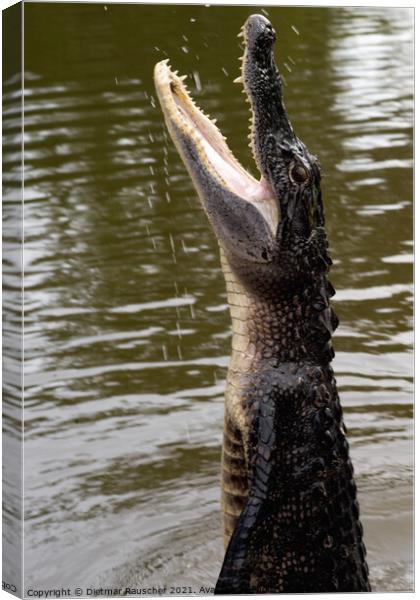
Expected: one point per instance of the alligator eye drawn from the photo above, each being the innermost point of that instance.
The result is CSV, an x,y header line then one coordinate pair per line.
x,y
298,173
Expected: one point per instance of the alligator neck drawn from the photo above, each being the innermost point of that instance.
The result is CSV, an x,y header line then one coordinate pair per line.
x,y
282,328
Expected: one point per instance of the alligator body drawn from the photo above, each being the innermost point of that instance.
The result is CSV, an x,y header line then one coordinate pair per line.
x,y
291,517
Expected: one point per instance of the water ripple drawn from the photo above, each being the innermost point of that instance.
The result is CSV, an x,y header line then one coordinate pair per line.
x,y
127,328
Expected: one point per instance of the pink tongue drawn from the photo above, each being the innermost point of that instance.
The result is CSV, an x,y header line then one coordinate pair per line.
x,y
240,183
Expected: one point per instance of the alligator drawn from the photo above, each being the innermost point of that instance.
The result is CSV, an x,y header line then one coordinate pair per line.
x,y
290,511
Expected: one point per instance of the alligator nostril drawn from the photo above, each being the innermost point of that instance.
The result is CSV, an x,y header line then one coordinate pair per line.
x,y
269,31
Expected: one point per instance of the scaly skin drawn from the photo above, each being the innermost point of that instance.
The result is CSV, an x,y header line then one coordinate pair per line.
x,y
291,517
289,497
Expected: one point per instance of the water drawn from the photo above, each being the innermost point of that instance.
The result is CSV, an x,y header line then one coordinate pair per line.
x,y
127,329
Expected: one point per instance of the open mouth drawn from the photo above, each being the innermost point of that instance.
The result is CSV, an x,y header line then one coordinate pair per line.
x,y
184,117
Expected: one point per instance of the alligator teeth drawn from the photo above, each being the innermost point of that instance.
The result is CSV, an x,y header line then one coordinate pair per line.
x,y
238,80
183,77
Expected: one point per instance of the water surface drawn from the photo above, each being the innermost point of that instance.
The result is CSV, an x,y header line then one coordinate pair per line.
x,y
127,334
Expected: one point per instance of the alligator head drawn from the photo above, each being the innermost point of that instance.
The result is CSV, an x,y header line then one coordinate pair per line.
x,y
262,225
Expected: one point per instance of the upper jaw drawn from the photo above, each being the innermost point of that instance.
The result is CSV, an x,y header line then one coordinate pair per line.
x,y
270,124
203,148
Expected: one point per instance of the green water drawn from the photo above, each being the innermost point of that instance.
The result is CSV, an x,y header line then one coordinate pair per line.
x,y
127,333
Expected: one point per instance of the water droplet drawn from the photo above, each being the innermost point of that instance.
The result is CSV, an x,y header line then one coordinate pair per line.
x,y
171,240
295,29
188,433
184,246
185,49
197,81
